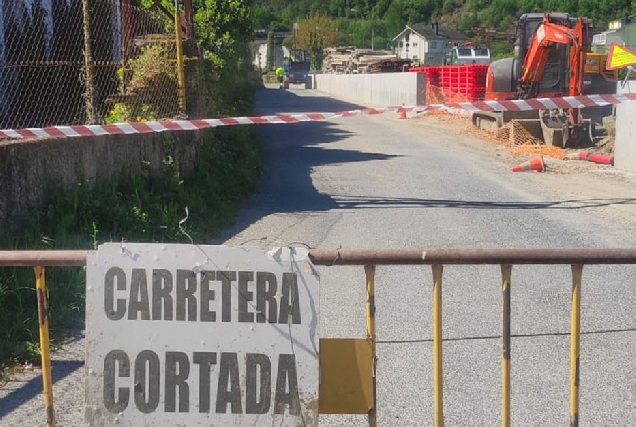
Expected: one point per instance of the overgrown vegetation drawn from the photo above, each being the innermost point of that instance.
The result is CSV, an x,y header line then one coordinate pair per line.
x,y
144,204
364,23
148,86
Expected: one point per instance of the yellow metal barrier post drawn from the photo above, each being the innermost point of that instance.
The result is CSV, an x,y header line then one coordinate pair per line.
x,y
369,271
180,65
506,273
575,345
438,374
43,318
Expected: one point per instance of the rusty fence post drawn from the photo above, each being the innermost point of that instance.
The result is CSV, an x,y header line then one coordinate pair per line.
x,y
506,273
45,352
438,374
180,63
575,345
369,271
89,78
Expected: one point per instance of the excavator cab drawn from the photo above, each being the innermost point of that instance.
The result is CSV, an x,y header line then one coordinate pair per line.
x,y
504,74
542,67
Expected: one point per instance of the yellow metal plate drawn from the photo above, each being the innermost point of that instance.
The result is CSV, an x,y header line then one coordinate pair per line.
x,y
346,376
619,57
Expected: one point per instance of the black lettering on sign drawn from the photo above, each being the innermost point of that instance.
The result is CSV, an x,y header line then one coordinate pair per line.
x,y
226,278
113,403
266,288
114,311
139,301
228,372
207,295
289,304
177,372
205,360
161,298
244,279
186,287
258,384
147,381
287,376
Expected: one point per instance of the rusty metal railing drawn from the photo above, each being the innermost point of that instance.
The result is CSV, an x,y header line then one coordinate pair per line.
x,y
505,258
39,260
437,258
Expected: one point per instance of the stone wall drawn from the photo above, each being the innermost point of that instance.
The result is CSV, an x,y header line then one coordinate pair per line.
x,y
27,168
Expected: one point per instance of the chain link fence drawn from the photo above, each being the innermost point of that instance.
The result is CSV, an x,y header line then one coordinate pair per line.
x,y
68,62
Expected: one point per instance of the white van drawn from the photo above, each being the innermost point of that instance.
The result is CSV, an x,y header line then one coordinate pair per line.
x,y
466,55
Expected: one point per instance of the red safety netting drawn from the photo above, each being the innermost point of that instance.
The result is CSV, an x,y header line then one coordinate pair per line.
x,y
455,83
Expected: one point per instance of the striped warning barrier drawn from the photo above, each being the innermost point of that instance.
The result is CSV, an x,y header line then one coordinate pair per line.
x,y
178,125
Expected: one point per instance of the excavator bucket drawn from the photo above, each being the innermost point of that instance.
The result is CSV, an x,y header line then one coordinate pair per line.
x,y
557,130
550,127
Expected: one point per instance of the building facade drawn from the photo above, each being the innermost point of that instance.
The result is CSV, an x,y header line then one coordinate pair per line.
x,y
426,44
621,31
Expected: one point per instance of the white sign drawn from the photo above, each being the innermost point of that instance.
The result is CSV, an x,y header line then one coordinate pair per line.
x,y
185,335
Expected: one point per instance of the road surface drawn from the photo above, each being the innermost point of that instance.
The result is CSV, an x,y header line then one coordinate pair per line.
x,y
381,182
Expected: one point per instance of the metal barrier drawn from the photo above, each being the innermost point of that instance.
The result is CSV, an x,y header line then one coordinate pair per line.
x,y
370,259
39,260
505,258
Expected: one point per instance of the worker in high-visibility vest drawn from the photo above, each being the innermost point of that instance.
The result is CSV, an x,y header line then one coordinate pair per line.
x,y
280,74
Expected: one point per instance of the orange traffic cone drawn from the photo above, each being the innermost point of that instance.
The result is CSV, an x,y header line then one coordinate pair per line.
x,y
402,112
535,164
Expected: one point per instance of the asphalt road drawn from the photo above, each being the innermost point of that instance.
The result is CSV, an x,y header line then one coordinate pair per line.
x,y
381,182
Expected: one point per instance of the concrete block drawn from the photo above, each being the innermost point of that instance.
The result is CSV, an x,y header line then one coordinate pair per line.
x,y
625,148
375,90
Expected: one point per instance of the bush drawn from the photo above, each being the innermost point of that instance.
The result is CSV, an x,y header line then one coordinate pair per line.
x,y
148,85
230,85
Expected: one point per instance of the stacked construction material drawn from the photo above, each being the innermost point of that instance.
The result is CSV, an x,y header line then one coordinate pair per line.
x,y
336,60
349,60
457,82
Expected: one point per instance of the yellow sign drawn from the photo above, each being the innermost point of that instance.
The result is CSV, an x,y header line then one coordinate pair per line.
x,y
619,57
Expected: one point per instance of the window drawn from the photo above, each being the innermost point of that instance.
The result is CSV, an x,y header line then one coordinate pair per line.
x,y
432,45
401,44
414,44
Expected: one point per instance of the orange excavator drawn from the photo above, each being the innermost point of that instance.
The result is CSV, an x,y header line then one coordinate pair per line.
x,y
550,62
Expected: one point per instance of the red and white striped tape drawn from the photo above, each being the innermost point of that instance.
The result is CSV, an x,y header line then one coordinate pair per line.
x,y
176,125
583,101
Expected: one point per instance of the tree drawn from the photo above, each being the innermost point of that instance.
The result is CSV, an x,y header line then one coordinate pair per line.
x,y
270,49
221,24
262,17
315,33
320,26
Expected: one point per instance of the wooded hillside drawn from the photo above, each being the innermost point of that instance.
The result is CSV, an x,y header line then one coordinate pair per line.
x,y
357,20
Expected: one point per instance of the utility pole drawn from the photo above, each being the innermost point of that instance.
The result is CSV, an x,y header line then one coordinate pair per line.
x,y
294,43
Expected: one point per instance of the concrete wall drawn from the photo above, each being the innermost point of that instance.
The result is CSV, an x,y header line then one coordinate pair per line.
x,y
625,148
28,167
375,90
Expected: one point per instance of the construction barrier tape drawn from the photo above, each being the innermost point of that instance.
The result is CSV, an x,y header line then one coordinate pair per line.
x,y
177,125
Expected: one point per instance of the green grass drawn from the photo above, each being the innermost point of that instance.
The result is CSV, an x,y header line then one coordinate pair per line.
x,y
140,207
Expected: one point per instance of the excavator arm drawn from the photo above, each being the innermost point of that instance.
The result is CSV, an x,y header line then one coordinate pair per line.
x,y
547,34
